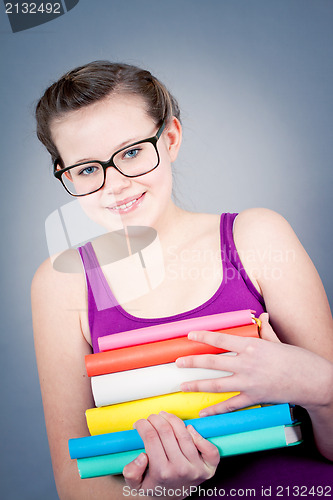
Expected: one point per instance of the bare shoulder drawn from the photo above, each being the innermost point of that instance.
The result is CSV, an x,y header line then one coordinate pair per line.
x,y
59,292
259,215
262,226
265,238
67,262
61,273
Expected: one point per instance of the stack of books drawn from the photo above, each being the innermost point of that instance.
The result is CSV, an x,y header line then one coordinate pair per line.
x,y
135,375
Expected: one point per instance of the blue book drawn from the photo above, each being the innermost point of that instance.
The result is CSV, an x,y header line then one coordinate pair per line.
x,y
208,427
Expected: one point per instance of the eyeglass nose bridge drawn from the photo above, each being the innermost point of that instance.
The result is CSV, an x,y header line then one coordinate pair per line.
x,y
111,164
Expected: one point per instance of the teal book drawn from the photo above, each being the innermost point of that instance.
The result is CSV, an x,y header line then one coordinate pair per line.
x,y
231,444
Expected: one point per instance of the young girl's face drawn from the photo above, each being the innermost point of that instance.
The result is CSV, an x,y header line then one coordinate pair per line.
x,y
97,131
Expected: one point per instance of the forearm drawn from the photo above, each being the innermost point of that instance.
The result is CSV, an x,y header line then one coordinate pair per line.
x,y
110,488
103,488
322,415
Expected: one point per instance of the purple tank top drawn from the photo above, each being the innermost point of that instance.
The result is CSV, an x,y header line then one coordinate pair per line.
x,y
107,316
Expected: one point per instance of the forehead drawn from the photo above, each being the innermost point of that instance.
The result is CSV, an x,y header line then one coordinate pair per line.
x,y
100,128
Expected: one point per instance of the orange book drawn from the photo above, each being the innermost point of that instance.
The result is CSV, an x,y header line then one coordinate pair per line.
x,y
156,353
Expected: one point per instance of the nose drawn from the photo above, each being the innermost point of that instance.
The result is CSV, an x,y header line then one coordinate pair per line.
x,y
115,182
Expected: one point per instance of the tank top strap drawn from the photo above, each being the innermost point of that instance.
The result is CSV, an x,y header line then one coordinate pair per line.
x,y
230,253
227,239
97,286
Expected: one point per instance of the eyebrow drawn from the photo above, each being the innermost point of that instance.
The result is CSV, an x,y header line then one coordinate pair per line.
x,y
120,146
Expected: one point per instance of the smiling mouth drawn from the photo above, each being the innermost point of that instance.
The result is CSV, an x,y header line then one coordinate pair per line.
x,y
125,207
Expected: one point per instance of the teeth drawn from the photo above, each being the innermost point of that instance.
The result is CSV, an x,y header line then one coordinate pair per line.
x,y
125,205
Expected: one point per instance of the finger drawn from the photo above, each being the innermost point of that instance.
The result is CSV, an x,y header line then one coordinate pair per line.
x,y
266,331
183,437
225,361
231,383
174,437
231,404
220,340
209,452
134,471
152,442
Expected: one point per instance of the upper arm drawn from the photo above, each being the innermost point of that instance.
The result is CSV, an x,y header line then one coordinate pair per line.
x,y
60,349
293,292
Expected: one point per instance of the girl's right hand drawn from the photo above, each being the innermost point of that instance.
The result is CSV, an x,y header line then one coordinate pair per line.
x,y
178,457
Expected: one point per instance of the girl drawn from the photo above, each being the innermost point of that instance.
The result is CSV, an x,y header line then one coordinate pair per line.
x,y
113,132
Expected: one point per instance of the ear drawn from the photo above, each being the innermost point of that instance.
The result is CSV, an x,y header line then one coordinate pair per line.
x,y
173,137
68,175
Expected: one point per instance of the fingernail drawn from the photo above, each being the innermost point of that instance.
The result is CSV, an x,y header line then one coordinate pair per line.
x,y
141,459
185,387
203,413
180,362
193,431
192,336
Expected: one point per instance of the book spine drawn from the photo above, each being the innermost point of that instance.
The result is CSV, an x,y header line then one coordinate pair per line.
x,y
175,329
120,417
147,382
156,353
234,444
215,425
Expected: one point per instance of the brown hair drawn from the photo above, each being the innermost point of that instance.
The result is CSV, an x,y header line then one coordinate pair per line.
x,y
95,81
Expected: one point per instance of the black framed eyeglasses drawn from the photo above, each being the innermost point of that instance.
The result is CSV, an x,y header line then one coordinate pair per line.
x,y
134,160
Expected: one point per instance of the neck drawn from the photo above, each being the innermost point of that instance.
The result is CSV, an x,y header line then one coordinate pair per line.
x,y
171,230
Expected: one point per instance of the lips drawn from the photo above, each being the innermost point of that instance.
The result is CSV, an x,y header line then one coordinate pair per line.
x,y
127,204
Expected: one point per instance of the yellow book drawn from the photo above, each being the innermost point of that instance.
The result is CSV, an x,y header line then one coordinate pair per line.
x,y
121,417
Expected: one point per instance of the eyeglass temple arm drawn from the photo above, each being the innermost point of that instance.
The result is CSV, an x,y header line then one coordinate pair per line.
x,y
159,132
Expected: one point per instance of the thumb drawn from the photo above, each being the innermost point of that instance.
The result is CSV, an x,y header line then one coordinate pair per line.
x,y
266,331
134,471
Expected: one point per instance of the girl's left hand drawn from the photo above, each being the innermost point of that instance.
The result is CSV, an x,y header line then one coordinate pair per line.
x,y
264,370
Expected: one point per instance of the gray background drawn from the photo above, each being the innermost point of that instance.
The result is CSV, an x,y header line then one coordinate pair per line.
x,y
254,79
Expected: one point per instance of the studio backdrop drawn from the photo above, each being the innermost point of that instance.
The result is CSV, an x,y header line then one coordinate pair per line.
x,y
254,81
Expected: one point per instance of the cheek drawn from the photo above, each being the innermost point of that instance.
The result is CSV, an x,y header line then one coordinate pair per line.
x,y
166,184
167,180
163,176
91,206
160,185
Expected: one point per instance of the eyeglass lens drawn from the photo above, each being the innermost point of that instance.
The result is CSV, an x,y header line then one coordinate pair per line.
x,y
133,161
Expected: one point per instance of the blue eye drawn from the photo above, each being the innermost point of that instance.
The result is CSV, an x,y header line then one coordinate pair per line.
x,y
88,170
131,153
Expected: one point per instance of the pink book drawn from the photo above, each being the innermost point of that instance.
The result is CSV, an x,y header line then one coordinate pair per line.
x,y
175,329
